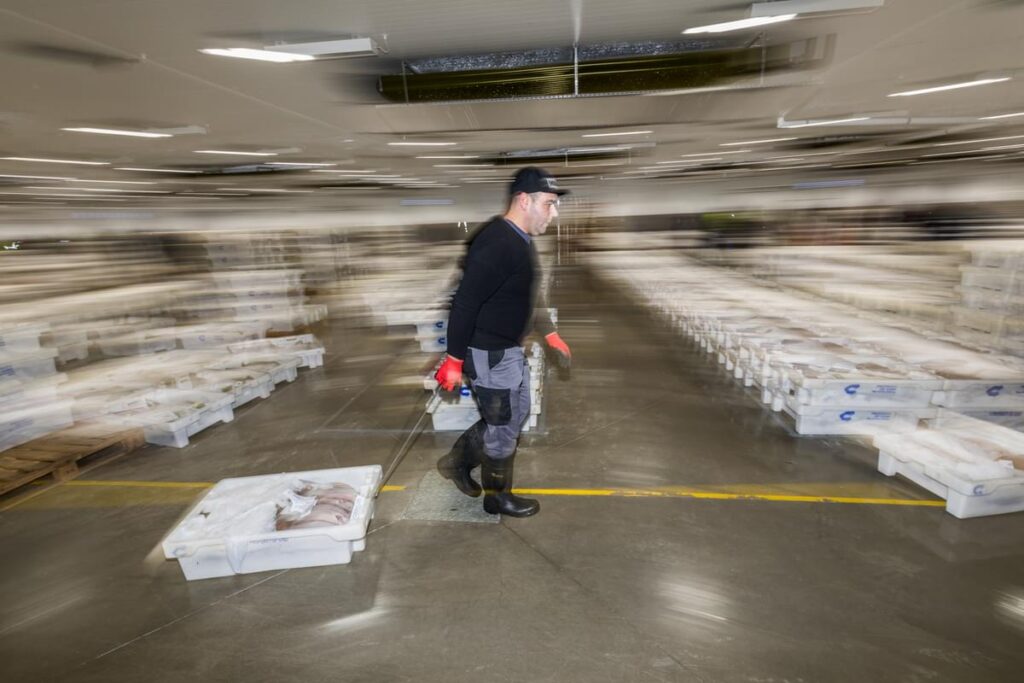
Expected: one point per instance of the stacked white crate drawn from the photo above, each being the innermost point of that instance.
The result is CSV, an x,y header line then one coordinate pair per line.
x,y
721,312
991,313
175,394
459,412
29,407
796,371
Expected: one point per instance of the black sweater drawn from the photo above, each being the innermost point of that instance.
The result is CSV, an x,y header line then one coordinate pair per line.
x,y
493,307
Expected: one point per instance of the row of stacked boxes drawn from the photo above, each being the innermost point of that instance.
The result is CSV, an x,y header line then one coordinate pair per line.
x,y
991,310
171,395
831,368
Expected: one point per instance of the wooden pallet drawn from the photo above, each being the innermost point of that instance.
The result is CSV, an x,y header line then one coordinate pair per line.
x,y
58,454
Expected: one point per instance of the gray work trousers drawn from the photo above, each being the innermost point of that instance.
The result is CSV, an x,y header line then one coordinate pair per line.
x,y
500,382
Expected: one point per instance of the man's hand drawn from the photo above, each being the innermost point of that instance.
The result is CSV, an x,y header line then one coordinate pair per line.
x,y
557,344
449,375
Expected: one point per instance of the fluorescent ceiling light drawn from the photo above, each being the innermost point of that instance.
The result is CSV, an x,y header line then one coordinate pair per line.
x,y
690,161
35,177
97,189
261,55
111,131
235,153
715,154
260,189
760,9
422,144
826,122
741,24
951,86
347,47
611,135
1001,116
605,148
463,165
755,142
57,161
298,164
452,156
153,170
347,170
115,182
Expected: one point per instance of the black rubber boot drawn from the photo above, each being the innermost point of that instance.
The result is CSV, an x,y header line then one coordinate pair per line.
x,y
496,476
462,458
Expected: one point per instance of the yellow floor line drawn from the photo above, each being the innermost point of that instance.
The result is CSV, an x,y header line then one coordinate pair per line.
x,y
711,495
777,493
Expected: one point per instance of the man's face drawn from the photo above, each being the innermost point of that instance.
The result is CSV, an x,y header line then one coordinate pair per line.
x,y
542,210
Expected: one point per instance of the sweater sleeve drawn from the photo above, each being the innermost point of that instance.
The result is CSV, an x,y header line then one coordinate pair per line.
x,y
483,275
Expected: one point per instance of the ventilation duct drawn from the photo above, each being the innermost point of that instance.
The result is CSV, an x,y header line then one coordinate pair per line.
x,y
572,74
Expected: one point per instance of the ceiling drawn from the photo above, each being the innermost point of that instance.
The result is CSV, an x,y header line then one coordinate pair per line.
x,y
135,64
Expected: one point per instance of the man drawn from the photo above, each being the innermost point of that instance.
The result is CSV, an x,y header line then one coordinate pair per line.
x,y
491,313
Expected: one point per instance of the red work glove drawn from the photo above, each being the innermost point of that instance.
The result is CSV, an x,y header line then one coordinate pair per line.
x,y
449,375
556,343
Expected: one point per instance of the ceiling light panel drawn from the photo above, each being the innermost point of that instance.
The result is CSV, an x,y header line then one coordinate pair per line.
x,y
56,161
950,86
259,55
235,153
739,25
112,131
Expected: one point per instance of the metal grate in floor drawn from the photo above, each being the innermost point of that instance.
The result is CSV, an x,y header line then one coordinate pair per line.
x,y
437,500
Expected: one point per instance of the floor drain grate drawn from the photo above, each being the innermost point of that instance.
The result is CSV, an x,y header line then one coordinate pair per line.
x,y
437,500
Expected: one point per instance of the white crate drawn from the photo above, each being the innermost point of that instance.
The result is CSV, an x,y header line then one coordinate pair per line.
x,y
21,337
997,279
242,385
28,365
24,424
992,300
433,344
219,334
305,347
139,343
203,556
454,417
1009,418
979,394
863,393
170,416
951,462
431,328
280,368
815,420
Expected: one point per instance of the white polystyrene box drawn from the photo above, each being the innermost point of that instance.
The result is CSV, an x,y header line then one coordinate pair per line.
x,y
208,556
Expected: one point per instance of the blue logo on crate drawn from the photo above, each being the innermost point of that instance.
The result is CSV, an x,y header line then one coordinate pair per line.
x,y
443,341
994,391
852,389
439,324
979,490
847,416
464,391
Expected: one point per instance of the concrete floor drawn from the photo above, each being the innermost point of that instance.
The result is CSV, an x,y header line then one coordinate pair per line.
x,y
595,588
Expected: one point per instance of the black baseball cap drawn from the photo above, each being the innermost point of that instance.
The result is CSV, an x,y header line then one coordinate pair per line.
x,y
533,179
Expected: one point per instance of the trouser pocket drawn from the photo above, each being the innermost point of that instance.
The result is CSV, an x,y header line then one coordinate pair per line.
x,y
495,405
